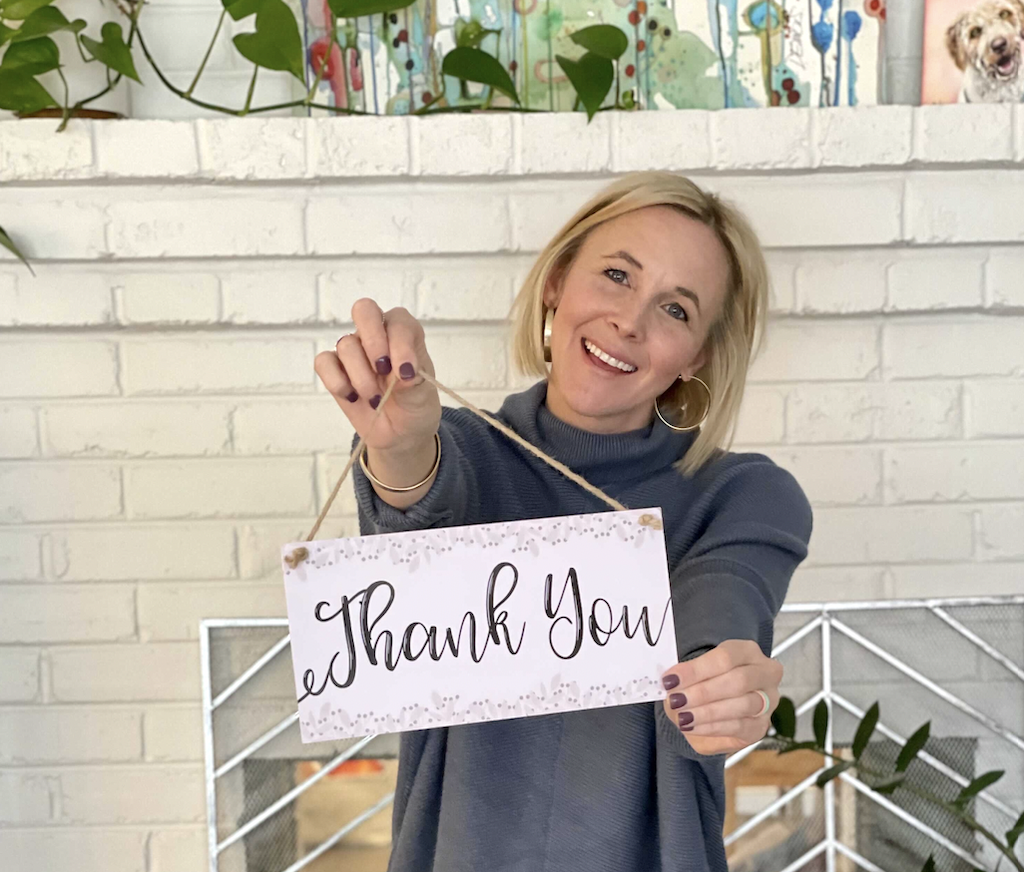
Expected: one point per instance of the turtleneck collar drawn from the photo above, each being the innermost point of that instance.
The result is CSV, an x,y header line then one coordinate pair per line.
x,y
600,458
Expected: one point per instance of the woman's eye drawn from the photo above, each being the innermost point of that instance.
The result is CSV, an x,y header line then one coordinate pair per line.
x,y
616,275
677,312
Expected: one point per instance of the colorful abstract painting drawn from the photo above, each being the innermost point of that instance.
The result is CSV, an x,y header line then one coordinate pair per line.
x,y
682,55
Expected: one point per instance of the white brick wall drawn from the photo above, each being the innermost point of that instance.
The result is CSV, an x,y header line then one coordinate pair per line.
x,y
162,431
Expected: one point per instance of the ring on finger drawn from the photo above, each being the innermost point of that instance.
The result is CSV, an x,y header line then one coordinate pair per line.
x,y
766,703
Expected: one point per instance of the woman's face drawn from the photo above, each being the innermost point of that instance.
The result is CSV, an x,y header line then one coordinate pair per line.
x,y
644,290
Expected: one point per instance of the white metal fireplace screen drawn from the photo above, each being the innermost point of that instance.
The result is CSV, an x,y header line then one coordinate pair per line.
x,y
958,663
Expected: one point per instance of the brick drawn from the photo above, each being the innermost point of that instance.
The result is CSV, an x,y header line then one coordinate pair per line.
x,y
660,140
19,556
782,269
59,492
157,671
1018,133
291,427
140,428
537,214
173,611
817,351
981,471
1004,286
30,151
25,799
835,476
252,148
259,545
64,613
862,136
146,149
48,368
762,418
822,210
471,357
996,408
252,224
938,281
133,794
841,285
879,410
1002,532
123,553
79,235
87,850
891,534
782,140
18,432
345,503
564,142
222,488
19,679
975,133
59,734
837,584
474,291
463,145
173,734
269,297
457,219
57,299
207,365
359,147
170,298
959,579
386,283
178,850
957,207
962,348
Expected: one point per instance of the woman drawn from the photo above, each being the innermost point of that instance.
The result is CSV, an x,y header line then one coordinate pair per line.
x,y
651,292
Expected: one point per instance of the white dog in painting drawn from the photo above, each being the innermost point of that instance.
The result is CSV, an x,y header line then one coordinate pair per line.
x,y
985,42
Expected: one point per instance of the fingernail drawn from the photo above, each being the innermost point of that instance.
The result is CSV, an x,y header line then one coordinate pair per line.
x,y
685,729
677,700
383,365
670,681
375,401
352,397
406,371
685,718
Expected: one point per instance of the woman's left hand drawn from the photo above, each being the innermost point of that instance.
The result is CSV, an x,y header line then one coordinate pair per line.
x,y
714,700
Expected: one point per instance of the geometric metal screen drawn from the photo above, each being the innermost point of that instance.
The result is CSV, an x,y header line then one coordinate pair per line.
x,y
276,805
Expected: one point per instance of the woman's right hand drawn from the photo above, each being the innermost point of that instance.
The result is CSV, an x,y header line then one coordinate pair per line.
x,y
359,370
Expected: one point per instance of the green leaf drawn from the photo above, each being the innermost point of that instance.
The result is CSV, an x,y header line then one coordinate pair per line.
x,y
604,40
354,8
784,718
929,864
6,33
821,723
833,772
33,58
1015,832
19,10
591,76
914,744
976,786
889,785
864,731
112,51
8,243
45,21
276,44
239,9
799,746
20,92
474,65
469,34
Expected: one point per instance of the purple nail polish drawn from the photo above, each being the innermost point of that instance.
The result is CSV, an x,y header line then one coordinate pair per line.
x,y
352,397
670,681
406,371
383,365
685,729
685,718
375,401
677,700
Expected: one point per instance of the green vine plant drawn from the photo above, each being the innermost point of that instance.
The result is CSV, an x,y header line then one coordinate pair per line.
x,y
26,28
889,782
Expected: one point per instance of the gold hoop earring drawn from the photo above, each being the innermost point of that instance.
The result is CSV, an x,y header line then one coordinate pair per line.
x,y
549,317
683,407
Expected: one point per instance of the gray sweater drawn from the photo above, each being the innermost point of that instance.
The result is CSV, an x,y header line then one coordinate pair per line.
x,y
614,789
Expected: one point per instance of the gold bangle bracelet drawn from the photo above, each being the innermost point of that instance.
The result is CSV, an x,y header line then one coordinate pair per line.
x,y
400,490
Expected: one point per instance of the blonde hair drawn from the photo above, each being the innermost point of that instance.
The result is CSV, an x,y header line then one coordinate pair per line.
x,y
733,339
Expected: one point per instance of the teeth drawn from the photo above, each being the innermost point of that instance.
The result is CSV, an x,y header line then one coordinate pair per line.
x,y
607,358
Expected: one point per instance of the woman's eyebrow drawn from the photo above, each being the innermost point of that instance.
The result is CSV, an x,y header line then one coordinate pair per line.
x,y
626,256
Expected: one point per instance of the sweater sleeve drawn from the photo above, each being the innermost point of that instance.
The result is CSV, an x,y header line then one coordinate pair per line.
x,y
732,581
444,505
